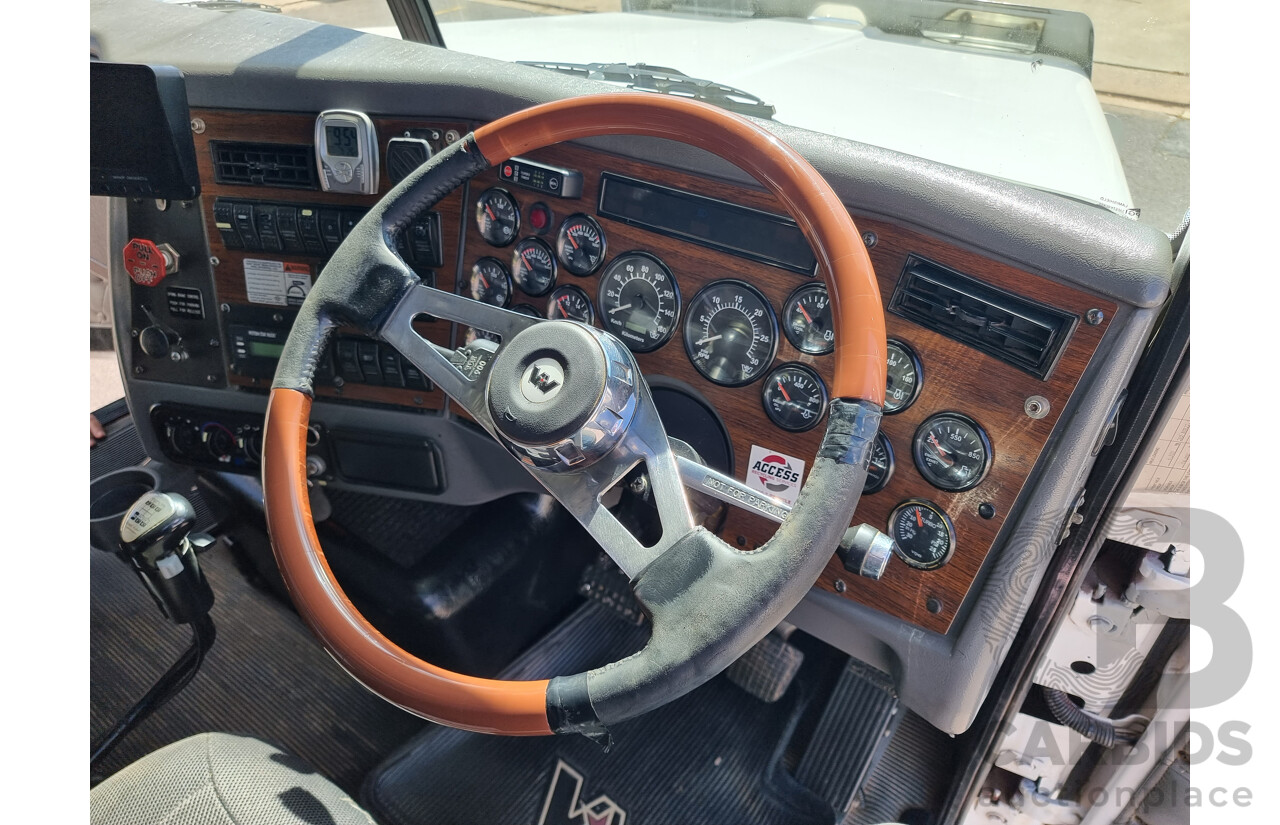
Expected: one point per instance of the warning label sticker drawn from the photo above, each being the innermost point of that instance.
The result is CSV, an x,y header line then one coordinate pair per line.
x,y
276,282
775,474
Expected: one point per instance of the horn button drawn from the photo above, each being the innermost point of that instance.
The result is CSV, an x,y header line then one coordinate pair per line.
x,y
561,394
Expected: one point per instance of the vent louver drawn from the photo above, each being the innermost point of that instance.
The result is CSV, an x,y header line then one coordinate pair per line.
x,y
1016,330
264,164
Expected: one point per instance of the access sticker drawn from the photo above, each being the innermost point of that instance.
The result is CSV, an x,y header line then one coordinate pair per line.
x,y
775,474
276,282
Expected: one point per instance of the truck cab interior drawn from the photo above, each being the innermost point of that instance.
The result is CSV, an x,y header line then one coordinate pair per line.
x,y
577,442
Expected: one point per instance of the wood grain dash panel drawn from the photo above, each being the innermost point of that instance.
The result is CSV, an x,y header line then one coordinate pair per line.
x,y
956,377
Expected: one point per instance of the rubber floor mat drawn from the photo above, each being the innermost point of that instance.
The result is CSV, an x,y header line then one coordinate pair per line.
x,y
266,676
713,756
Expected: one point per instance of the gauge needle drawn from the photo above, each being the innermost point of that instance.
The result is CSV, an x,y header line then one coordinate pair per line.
x,y
484,281
561,301
783,390
619,309
707,340
805,314
572,241
489,209
524,257
942,451
919,520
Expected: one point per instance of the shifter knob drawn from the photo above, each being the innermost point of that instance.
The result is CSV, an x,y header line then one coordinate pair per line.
x,y
155,538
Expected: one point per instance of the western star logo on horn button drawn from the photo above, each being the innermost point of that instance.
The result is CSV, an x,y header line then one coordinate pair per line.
x,y
775,474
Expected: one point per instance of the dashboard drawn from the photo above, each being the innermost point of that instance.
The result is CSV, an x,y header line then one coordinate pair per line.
x,y
710,284
1015,317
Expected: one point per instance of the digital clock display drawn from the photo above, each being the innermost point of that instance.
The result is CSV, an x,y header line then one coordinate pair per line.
x,y
342,141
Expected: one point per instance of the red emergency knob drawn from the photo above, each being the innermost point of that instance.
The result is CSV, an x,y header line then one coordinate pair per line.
x,y
146,263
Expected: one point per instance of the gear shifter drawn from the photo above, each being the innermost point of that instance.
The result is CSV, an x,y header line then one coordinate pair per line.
x,y
156,538
157,542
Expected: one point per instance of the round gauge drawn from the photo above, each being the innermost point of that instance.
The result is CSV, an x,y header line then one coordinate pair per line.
x,y
806,320
472,334
580,244
902,382
794,397
490,282
570,303
497,216
639,301
730,333
880,468
951,451
922,534
533,267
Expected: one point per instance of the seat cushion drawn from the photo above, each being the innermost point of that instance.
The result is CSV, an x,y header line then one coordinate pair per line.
x,y
221,778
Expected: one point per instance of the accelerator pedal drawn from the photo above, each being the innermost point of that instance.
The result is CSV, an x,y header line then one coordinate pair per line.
x,y
767,669
852,734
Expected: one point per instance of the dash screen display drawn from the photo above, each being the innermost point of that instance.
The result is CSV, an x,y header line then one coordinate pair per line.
x,y
260,349
342,141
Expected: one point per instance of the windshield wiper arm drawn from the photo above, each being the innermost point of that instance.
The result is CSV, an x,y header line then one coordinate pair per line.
x,y
645,78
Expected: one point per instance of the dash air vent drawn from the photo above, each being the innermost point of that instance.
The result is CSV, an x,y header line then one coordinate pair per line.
x,y
264,164
1017,330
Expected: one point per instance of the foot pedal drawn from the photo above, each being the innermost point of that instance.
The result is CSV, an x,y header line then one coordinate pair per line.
x,y
767,669
604,582
853,732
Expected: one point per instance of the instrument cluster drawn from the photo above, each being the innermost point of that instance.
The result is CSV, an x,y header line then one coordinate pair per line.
x,y
731,333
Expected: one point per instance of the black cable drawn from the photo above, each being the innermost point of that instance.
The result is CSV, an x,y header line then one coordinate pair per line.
x,y
1086,724
166,687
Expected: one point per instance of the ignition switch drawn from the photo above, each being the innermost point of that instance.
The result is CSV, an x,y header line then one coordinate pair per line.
x,y
147,263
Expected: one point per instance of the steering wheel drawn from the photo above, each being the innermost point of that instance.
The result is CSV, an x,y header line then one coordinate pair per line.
x,y
568,401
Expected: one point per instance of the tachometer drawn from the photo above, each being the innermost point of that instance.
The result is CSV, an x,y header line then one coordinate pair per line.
x,y
570,303
533,266
639,301
497,216
951,451
730,333
923,536
794,397
580,244
806,320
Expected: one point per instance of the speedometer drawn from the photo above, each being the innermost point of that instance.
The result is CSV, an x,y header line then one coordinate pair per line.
x,y
639,301
730,333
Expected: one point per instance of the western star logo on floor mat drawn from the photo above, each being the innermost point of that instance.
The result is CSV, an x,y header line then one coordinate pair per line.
x,y
775,474
564,805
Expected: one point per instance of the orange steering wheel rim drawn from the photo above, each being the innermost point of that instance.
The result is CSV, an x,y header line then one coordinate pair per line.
x,y
520,707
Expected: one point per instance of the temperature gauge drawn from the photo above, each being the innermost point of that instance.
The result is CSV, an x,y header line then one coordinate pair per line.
x,y
952,452
806,321
571,304
903,378
794,397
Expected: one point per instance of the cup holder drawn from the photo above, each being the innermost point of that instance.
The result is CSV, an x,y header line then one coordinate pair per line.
x,y
110,497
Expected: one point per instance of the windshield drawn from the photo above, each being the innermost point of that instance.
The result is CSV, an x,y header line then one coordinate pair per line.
x,y
1090,99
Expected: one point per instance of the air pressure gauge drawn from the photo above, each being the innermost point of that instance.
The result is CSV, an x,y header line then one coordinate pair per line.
x,y
347,152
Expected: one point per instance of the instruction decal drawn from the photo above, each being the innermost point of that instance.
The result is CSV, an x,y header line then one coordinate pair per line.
x,y
775,474
278,283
